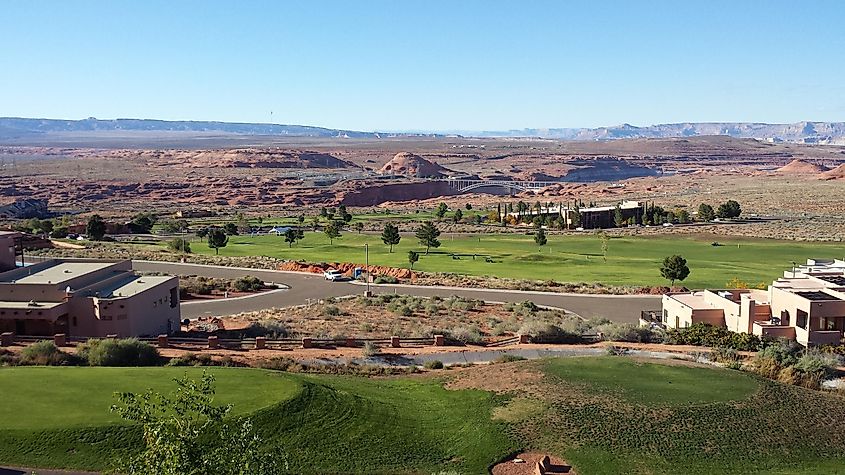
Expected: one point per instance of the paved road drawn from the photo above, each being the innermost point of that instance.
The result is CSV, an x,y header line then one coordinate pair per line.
x,y
303,287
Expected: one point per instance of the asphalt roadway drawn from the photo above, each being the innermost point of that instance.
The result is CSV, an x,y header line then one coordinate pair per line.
x,y
304,288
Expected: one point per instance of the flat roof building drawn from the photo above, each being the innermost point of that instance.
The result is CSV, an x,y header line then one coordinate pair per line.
x,y
807,304
10,248
86,297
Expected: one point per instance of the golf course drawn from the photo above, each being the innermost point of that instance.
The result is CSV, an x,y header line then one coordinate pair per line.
x,y
604,415
631,261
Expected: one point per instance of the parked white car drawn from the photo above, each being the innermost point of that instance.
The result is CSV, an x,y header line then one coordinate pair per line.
x,y
333,275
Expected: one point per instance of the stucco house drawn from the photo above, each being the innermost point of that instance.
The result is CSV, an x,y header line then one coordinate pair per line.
x,y
807,304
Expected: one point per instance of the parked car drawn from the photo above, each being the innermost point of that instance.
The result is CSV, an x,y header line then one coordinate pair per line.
x,y
333,275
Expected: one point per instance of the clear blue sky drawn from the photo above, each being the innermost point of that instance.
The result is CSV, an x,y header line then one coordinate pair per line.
x,y
425,65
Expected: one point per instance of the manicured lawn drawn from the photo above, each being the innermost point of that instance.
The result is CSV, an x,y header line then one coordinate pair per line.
x,y
653,384
611,415
569,258
325,424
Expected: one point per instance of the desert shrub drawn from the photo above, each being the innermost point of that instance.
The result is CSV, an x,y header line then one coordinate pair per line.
x,y
525,308
386,279
331,311
508,358
267,328
386,298
366,327
724,355
702,334
629,332
403,310
248,283
280,363
545,332
433,364
45,353
118,352
191,359
370,349
466,334
835,350
7,358
366,301
432,309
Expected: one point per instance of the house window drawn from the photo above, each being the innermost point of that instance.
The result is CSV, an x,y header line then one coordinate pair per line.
x,y
665,315
801,319
174,297
105,317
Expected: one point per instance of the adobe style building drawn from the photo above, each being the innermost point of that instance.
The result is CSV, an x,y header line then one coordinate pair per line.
x,y
86,297
807,304
10,249
596,217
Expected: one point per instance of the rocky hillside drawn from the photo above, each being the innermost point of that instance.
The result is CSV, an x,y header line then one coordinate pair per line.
x,y
409,164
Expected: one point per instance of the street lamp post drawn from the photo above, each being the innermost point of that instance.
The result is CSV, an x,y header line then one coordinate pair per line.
x,y
367,267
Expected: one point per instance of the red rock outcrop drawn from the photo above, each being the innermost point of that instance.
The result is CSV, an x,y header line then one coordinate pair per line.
x,y
408,164
801,167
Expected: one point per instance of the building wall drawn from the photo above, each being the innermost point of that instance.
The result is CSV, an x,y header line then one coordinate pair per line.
x,y
676,314
7,251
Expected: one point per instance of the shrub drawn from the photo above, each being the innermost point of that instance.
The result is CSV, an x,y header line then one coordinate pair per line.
x,y
434,364
724,355
331,311
629,332
403,310
432,309
45,353
267,328
508,358
702,334
545,332
280,363
386,279
248,283
370,349
123,352
191,359
466,334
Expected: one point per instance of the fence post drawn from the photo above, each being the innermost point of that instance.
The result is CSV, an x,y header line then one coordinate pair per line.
x,y
524,339
439,340
162,341
350,342
307,343
213,342
60,339
7,339
394,342
260,342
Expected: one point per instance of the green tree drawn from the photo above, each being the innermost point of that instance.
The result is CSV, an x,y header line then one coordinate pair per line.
x,y
243,224
217,238
618,217
674,268
292,235
540,238
332,231
142,223
301,219
413,257
230,229
428,234
390,235
186,434
458,216
96,228
468,206
179,245
682,216
605,244
359,227
705,212
441,210
729,209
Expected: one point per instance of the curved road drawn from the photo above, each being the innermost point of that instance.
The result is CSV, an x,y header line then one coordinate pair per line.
x,y
304,287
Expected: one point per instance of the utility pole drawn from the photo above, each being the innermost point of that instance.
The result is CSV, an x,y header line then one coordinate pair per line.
x,y
367,293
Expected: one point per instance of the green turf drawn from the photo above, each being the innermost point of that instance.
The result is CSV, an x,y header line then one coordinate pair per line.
x,y
567,258
611,415
325,424
653,384
55,397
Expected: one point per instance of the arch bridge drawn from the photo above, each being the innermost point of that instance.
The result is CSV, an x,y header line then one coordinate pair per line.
x,y
464,185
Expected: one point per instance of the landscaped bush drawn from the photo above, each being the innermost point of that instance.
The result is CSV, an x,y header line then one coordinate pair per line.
x,y
191,359
7,358
544,332
702,334
629,333
386,279
434,364
280,363
370,349
45,353
508,358
248,284
122,352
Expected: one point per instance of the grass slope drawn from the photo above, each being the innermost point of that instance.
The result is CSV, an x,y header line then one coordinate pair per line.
x,y
567,258
325,424
613,415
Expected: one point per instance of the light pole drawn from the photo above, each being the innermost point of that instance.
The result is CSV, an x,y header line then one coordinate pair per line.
x,y
367,267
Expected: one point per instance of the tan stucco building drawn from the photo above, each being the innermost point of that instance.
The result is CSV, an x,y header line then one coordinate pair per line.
x,y
807,304
10,248
85,297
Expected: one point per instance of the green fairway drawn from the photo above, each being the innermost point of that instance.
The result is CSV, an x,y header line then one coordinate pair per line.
x,y
567,258
325,424
653,384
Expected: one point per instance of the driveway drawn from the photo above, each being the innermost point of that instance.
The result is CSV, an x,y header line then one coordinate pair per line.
x,y
308,287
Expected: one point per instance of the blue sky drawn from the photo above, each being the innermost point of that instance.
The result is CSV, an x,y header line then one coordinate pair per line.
x,y
425,65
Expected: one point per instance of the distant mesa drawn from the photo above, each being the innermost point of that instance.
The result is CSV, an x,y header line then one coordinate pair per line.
x,y
801,167
837,173
409,164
